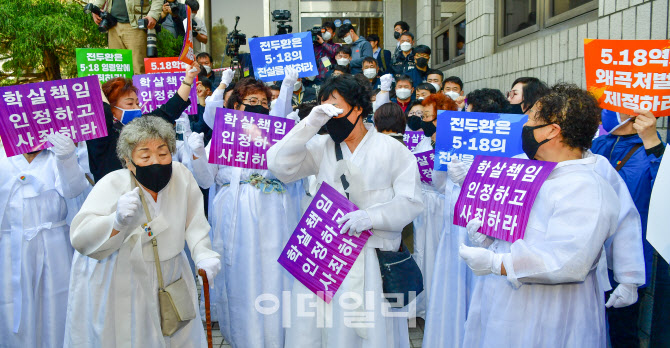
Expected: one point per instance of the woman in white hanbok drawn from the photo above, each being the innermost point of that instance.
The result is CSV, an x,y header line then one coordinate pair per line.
x,y
253,214
35,250
384,183
113,298
551,296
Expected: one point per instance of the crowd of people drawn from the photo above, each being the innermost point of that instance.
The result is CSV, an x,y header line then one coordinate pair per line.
x,y
92,234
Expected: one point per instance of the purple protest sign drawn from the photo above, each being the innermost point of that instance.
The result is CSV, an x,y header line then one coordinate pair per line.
x,y
426,162
412,139
154,90
241,139
500,192
30,112
316,254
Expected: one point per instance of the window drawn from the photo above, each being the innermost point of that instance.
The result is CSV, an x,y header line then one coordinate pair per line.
x,y
448,33
518,18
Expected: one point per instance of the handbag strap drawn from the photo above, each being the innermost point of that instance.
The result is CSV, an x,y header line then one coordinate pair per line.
x,y
154,242
339,157
628,156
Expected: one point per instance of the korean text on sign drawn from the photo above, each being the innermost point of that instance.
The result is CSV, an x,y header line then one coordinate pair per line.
x,y
425,161
500,192
463,135
316,254
154,90
30,112
270,55
105,63
164,65
625,75
412,139
242,139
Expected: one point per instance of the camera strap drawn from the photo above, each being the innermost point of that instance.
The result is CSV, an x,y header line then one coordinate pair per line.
x,y
141,9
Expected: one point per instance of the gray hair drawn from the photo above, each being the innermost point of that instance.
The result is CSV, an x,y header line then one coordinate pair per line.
x,y
143,129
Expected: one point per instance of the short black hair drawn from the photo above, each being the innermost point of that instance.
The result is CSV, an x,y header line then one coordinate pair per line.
x,y
353,90
344,49
390,118
193,4
203,55
435,72
403,25
344,29
305,108
408,34
373,37
422,49
533,89
404,78
344,69
275,87
487,100
575,110
330,25
369,60
207,83
453,79
428,87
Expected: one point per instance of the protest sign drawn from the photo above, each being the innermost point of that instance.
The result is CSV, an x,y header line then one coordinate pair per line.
x,y
30,112
463,135
317,254
164,65
187,55
625,75
105,63
500,192
154,90
412,139
271,54
241,139
659,219
425,161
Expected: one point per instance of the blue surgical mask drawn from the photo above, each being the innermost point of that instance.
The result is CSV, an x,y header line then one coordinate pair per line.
x,y
129,114
611,120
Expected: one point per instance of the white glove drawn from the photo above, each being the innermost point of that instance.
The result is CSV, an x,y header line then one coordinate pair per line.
x,y
128,211
385,82
473,232
481,261
63,146
196,143
227,77
457,171
290,77
355,222
320,114
211,266
624,295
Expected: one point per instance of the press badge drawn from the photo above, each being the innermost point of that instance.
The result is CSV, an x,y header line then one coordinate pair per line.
x,y
325,61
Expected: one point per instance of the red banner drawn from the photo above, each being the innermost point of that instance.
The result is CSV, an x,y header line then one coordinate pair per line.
x,y
164,65
625,75
187,55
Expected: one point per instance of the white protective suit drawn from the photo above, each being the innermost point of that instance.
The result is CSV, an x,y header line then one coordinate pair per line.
x,y
551,296
35,250
113,299
384,181
251,223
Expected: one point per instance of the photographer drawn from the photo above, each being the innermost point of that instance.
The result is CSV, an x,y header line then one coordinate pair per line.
x,y
205,61
177,14
126,34
324,47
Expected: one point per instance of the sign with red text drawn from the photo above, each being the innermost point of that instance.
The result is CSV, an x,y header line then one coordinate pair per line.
x,y
625,75
164,65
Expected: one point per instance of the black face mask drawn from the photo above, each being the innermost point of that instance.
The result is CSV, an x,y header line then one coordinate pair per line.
x,y
428,128
257,109
422,62
396,35
414,123
155,176
340,128
528,142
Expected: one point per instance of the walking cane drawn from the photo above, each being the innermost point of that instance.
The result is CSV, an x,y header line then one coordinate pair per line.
x,y
208,316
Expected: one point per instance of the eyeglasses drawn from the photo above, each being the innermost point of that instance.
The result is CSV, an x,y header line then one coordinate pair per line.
x,y
253,101
415,113
511,94
427,116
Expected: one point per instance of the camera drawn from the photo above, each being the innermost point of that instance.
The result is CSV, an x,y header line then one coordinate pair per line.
x,y
316,32
282,16
152,50
174,6
142,23
108,21
234,40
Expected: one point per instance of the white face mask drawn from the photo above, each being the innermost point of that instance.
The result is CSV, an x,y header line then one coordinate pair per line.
x,y
403,93
370,73
208,68
452,95
297,86
405,46
437,87
326,36
347,39
342,61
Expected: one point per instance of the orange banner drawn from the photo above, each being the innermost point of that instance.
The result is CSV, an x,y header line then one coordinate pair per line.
x,y
625,75
187,55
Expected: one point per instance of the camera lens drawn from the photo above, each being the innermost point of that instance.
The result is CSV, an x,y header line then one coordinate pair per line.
x,y
152,51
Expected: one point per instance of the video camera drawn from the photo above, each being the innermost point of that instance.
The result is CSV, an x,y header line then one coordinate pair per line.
x,y
282,16
108,21
316,32
234,40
